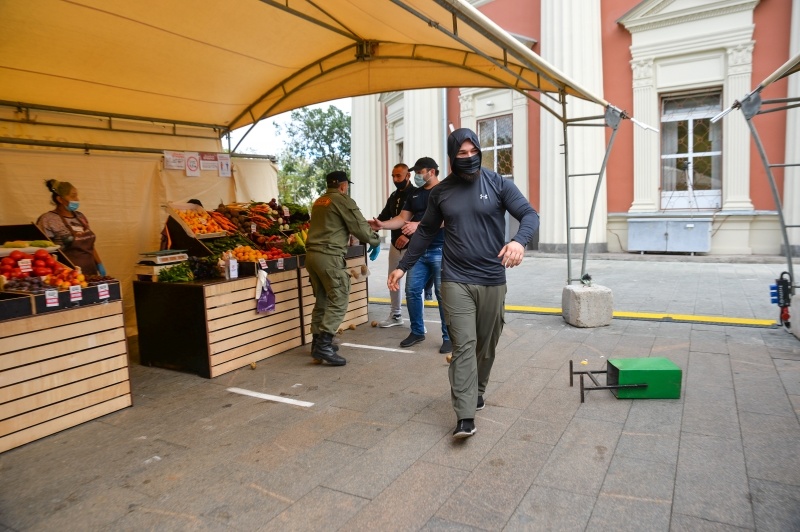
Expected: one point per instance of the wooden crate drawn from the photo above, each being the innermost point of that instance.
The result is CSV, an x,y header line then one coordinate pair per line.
x,y
357,309
238,335
61,369
212,327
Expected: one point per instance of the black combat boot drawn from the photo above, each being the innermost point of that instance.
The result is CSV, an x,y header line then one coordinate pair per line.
x,y
323,350
314,342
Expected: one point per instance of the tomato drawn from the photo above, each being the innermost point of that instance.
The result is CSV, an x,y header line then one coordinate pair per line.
x,y
50,261
16,255
41,254
38,263
7,261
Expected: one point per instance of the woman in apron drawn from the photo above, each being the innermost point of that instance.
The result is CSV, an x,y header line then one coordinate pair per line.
x,y
69,228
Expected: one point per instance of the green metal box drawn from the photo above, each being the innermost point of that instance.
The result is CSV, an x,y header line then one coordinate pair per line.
x,y
662,376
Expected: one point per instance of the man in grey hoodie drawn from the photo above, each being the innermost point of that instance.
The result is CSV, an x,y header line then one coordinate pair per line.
x,y
472,202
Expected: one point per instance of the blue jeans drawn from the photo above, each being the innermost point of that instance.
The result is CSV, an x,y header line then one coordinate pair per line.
x,y
429,266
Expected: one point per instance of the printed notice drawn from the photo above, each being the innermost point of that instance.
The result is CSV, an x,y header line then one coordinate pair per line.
x,y
102,291
224,164
51,298
192,164
174,160
75,293
208,161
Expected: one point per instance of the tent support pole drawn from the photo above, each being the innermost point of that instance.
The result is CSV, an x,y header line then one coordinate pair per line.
x,y
751,106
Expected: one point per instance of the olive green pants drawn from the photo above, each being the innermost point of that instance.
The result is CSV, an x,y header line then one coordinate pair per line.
x,y
331,285
475,318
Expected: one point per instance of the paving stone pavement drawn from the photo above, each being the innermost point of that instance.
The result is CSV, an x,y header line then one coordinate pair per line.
x,y
375,451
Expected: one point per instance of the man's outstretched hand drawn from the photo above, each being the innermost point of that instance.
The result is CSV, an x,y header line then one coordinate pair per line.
x,y
394,279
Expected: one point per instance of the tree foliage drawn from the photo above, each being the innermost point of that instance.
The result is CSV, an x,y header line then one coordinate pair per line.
x,y
317,142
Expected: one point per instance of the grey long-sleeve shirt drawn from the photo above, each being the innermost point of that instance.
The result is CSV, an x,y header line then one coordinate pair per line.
x,y
474,225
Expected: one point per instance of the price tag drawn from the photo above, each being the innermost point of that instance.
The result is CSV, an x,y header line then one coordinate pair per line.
x,y
102,291
286,212
262,263
51,298
253,228
280,264
25,265
75,293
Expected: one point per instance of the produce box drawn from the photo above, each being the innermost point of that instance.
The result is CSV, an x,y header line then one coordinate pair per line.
x,y
28,232
89,295
173,208
13,305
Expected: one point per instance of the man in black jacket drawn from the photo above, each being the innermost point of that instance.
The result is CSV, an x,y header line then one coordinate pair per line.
x,y
399,242
472,203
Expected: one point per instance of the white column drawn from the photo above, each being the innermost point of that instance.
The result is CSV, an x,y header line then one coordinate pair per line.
x,y
423,117
571,42
646,149
520,145
791,182
736,139
368,155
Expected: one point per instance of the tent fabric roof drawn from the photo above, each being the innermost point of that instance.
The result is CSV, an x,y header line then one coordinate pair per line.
x,y
230,64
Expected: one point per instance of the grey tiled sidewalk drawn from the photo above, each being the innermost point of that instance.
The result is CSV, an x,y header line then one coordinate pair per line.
x,y
374,452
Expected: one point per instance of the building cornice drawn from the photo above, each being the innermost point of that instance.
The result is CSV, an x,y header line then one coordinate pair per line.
x,y
653,15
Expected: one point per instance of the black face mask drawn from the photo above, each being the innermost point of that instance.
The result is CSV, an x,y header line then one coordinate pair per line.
x,y
401,185
467,165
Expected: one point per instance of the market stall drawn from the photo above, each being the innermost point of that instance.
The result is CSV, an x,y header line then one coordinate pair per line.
x,y
195,315
63,352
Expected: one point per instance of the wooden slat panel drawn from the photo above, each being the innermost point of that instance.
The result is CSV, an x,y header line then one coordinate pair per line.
x,y
70,345
249,314
285,287
57,334
15,424
354,296
56,425
55,365
227,287
242,306
254,357
55,395
58,318
72,374
356,314
277,339
257,334
263,322
246,283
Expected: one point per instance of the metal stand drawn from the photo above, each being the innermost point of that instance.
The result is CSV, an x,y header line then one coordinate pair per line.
x,y
597,386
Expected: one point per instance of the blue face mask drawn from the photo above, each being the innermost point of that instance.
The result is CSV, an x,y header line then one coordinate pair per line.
x,y
73,206
419,180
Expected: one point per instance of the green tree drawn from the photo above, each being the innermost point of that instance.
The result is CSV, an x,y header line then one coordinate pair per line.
x,y
317,142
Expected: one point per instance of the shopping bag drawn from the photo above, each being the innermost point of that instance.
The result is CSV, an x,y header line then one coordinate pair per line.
x,y
266,297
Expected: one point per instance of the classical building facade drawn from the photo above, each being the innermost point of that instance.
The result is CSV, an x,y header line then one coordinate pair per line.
x,y
692,186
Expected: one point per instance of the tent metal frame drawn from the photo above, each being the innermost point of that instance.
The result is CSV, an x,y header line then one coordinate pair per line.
x,y
753,105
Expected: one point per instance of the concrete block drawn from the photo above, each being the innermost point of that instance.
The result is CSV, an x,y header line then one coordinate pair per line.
x,y
587,306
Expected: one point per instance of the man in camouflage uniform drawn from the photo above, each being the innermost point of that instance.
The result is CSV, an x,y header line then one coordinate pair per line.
x,y
334,217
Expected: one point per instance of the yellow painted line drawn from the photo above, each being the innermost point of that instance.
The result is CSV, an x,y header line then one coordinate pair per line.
x,y
655,316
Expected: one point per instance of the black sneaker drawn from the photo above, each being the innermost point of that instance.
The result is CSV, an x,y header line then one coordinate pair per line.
x,y
447,347
481,404
412,339
464,428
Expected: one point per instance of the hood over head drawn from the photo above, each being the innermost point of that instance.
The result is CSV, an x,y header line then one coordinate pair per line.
x,y
457,138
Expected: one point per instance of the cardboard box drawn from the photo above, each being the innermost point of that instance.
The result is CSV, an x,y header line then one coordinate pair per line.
x,y
173,208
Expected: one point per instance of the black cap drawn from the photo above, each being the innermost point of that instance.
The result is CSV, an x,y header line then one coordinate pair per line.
x,y
425,162
334,178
